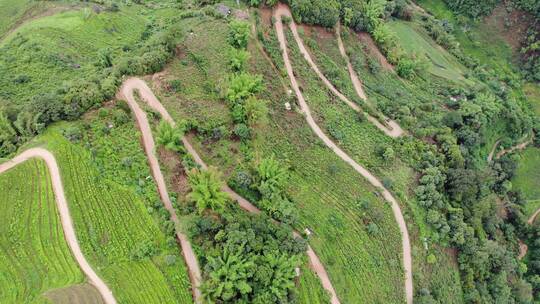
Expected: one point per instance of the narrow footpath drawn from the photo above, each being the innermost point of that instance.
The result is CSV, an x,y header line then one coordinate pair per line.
x,y
395,128
148,96
65,216
126,93
283,10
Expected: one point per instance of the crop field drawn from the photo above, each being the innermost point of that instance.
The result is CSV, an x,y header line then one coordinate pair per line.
x,y
388,91
396,97
323,48
75,294
34,256
527,177
45,52
413,40
197,71
329,194
110,192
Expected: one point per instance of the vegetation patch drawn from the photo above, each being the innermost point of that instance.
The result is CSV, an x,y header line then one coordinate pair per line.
x,y
34,256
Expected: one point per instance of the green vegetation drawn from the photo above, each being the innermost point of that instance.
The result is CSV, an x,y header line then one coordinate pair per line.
x,y
527,177
59,66
414,41
34,256
206,190
111,195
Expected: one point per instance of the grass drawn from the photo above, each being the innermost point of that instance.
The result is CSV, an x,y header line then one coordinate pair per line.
x,y
415,41
533,94
13,11
84,293
46,52
527,177
34,256
112,198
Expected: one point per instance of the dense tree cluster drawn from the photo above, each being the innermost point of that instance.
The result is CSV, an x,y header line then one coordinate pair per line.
x,y
248,258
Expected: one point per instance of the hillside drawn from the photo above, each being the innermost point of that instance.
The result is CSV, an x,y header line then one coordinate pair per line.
x,y
365,151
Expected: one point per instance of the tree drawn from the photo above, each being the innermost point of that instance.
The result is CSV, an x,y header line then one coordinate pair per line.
x,y
242,86
239,34
238,59
8,136
272,176
170,137
229,275
206,190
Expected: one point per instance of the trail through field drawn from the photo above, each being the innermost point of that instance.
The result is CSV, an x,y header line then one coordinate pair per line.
x,y
63,210
532,218
394,130
148,96
126,92
492,152
283,10
354,78
519,146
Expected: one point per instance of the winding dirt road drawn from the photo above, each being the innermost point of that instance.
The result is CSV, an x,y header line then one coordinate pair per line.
x,y
126,93
394,131
148,96
65,217
283,10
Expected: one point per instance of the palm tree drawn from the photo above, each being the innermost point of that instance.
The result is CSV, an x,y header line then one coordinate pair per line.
x,y
272,176
169,137
206,190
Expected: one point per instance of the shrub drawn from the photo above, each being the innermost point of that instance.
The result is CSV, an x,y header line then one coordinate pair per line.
x,y
242,131
239,33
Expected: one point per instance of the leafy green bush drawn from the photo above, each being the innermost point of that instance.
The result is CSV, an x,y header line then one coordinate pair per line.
x,y
239,33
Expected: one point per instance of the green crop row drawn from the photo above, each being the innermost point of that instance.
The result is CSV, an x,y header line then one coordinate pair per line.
x,y
34,256
112,199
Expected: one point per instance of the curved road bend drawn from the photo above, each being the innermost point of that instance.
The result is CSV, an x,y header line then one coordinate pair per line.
x,y
395,131
65,217
282,10
126,92
148,96
357,84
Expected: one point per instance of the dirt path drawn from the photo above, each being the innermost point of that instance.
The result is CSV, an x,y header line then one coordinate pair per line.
x,y
533,217
126,92
394,131
282,10
149,97
65,217
354,78
357,84
492,152
520,146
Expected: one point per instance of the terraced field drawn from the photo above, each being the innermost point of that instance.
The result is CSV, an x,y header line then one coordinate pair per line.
x,y
140,265
329,194
34,256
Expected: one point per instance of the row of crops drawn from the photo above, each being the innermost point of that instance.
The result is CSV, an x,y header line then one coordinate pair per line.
x,y
34,256
117,233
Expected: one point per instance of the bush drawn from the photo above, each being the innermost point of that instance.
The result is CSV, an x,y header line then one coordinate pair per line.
x,y
239,33
242,131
